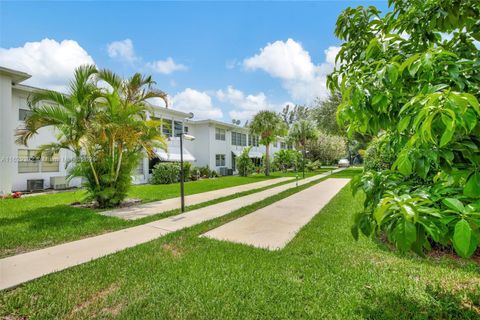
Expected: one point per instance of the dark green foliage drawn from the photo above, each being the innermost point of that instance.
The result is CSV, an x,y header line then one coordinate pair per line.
x,y
205,172
245,165
413,76
324,112
292,115
187,170
165,173
286,159
269,126
379,155
106,129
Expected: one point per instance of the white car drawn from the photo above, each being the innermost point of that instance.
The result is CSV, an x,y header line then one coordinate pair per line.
x,y
343,163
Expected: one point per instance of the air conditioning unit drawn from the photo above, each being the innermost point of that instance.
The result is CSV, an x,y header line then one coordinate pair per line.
x,y
230,172
58,183
35,185
223,171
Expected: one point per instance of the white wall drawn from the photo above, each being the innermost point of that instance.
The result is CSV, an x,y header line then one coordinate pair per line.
x,y
45,135
7,164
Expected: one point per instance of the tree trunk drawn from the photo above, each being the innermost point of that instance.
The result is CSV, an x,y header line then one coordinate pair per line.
x,y
303,162
267,160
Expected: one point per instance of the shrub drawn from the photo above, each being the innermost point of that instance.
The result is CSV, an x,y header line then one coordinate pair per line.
x,y
245,165
287,159
312,165
379,155
194,174
165,173
327,148
421,93
187,168
204,172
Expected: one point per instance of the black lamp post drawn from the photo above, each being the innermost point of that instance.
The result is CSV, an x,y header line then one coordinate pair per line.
x,y
182,174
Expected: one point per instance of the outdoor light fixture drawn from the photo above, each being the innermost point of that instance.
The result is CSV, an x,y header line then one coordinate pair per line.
x,y
182,174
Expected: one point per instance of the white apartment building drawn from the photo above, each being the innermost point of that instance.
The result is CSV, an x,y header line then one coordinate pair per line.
x,y
216,143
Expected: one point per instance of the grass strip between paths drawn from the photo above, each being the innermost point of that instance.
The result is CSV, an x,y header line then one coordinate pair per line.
x,y
41,227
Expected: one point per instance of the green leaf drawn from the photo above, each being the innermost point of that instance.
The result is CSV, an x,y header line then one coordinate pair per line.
x,y
413,68
365,225
405,235
446,136
403,164
463,239
454,204
470,119
403,124
372,49
472,187
392,72
409,61
380,101
421,168
472,101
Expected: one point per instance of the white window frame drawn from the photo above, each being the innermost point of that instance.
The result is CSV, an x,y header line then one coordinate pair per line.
x,y
220,160
220,134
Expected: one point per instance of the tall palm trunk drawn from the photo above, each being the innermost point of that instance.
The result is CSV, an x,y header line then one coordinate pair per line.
x,y
267,160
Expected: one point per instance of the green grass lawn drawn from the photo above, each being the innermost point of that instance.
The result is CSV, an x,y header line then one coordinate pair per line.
x,y
34,222
322,274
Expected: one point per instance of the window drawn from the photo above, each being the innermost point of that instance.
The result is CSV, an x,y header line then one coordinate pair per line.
x,y
219,134
185,129
139,169
50,163
27,161
220,160
239,139
283,145
167,127
243,140
23,114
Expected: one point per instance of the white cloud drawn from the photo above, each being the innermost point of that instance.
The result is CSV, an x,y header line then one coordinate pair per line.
x,y
122,50
286,60
166,66
245,106
330,54
200,103
292,64
50,63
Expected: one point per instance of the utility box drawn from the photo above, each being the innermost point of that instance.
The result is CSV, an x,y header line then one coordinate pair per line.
x,y
58,183
223,171
35,185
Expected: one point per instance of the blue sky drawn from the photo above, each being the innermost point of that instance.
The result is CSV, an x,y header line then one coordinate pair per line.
x,y
217,59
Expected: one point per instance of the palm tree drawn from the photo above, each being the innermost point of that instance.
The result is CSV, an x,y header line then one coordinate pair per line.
x,y
268,125
107,125
69,113
301,132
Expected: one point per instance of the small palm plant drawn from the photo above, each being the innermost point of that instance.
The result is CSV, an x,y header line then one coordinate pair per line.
x,y
106,128
301,132
268,125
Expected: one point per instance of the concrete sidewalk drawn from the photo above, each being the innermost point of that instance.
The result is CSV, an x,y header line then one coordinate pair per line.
x,y
21,268
156,207
272,227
